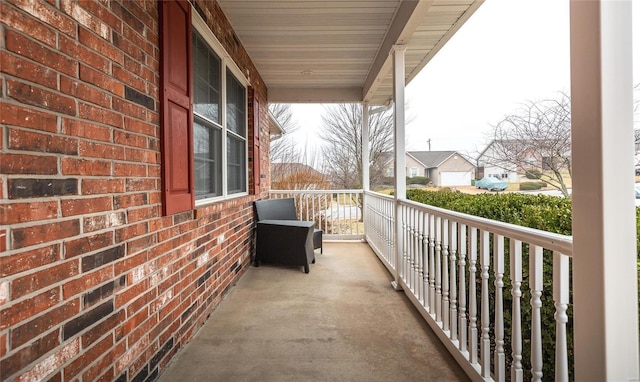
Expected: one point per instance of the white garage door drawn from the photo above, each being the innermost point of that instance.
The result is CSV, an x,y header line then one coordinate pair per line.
x,y
455,178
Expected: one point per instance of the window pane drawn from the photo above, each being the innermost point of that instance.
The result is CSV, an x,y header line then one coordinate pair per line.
x,y
207,141
236,106
206,80
236,167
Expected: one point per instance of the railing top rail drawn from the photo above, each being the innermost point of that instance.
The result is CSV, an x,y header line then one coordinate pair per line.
x,y
548,240
359,191
379,195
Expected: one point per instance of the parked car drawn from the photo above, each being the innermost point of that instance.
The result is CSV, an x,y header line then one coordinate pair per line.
x,y
637,188
490,183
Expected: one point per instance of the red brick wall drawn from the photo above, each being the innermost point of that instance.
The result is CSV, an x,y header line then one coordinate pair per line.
x,y
95,284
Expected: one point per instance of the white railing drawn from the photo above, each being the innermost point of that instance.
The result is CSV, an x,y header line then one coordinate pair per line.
x,y
452,267
338,213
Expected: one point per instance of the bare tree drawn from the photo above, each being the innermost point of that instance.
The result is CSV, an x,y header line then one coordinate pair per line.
x,y
283,148
536,140
342,144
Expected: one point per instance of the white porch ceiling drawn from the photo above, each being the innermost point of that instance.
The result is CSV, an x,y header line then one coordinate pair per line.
x,y
338,51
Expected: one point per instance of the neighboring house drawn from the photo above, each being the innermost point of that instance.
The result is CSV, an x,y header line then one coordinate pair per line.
x,y
296,176
443,168
488,165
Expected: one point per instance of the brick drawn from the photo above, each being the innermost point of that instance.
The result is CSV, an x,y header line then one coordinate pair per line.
x,y
19,115
129,170
45,143
28,70
83,245
86,320
145,184
104,186
136,126
86,282
27,331
132,80
93,334
19,44
37,96
24,237
85,18
57,377
130,355
84,92
138,40
52,362
48,15
101,150
72,166
141,243
102,13
20,262
125,138
102,258
27,212
25,309
144,156
130,293
101,80
28,164
131,109
4,292
30,188
22,358
126,233
84,55
142,375
100,45
97,114
3,345
128,17
28,25
87,357
97,223
85,129
71,207
129,200
106,290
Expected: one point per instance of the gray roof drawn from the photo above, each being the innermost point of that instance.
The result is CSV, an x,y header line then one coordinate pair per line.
x,y
431,159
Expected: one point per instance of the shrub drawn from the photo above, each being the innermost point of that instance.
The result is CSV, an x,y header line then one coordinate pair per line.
x,y
533,174
418,180
529,186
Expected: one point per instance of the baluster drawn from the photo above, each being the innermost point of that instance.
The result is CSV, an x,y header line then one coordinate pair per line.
x,y
432,272
485,343
424,281
515,254
445,274
417,255
498,264
462,289
438,267
561,299
453,308
535,283
473,305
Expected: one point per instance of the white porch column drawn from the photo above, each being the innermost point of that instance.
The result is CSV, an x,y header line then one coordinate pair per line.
x,y
400,188
604,249
365,146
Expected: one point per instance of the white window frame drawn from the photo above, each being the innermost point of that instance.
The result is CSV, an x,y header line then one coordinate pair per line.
x,y
226,63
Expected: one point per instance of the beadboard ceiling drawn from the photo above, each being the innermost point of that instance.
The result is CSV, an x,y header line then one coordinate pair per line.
x,y
338,51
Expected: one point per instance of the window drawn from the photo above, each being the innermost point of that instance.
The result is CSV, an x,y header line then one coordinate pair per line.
x,y
219,132
414,172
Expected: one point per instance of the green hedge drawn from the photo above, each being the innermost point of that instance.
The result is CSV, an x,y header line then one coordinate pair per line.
x,y
529,186
418,180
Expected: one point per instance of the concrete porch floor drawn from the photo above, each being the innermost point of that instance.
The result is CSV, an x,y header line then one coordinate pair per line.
x,y
340,322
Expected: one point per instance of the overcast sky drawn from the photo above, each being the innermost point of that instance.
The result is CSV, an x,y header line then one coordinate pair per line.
x,y
508,52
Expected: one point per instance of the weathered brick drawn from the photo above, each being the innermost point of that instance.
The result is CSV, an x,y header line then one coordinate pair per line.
x,y
76,50
97,114
131,109
72,166
37,96
99,330
30,188
105,290
101,258
3,345
28,25
17,43
130,355
25,309
86,320
24,261
85,129
28,164
145,184
132,80
103,186
141,243
144,156
27,331
128,17
125,138
27,70
141,127
128,232
27,212
48,365
48,15
85,18
155,360
22,358
102,13
18,115
97,223
145,213
71,207
130,293
129,200
101,150
26,236
33,141
44,278
129,170
84,92
87,244
88,356
86,282
142,375
100,45
101,80
139,98
139,40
